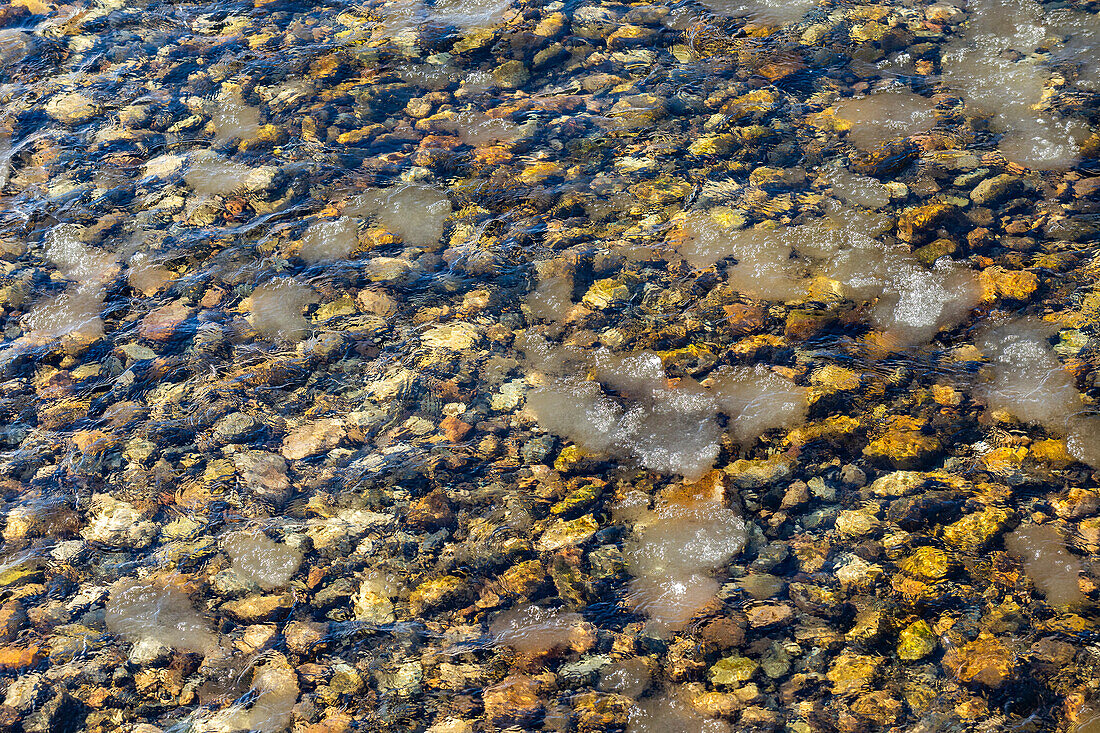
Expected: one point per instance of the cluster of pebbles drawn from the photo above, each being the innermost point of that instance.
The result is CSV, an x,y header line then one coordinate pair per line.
x,y
481,365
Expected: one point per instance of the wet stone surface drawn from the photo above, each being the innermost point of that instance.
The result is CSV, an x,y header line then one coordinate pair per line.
x,y
468,366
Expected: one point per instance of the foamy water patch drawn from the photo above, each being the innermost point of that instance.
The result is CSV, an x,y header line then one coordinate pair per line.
x,y
146,276
630,409
260,559
856,190
1011,87
276,309
677,548
886,114
552,298
1047,561
212,175
912,302
404,15
668,712
532,629
764,267
1030,382
14,46
76,260
275,686
331,239
160,611
77,311
770,12
414,212
232,118
476,129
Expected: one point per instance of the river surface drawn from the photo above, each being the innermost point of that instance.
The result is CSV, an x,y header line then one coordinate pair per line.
x,y
463,366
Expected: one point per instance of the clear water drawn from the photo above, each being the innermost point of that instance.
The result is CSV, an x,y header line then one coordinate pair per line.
x,y
464,366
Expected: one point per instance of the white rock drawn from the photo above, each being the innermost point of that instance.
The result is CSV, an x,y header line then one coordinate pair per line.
x,y
119,524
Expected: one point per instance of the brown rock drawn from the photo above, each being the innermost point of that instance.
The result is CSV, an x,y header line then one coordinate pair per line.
x,y
430,512
742,318
769,614
263,473
885,160
313,438
723,632
1053,654
802,324
302,637
515,701
163,323
12,619
797,494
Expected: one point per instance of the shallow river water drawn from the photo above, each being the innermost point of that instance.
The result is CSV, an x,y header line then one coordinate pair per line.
x,y
463,366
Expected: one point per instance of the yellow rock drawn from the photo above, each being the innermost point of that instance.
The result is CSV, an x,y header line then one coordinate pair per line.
x,y
1005,459
434,592
946,395
974,531
916,641
758,100
833,429
540,171
219,470
985,661
353,136
713,145
852,672
523,579
927,563
662,191
569,457
324,67
997,282
35,7
606,293
855,523
904,444
1052,450
879,707
833,378
561,533
827,121
914,223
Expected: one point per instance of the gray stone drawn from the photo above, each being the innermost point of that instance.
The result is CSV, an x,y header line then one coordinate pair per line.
x,y
236,427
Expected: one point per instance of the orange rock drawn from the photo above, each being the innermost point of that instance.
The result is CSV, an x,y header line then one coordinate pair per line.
x,y
92,442
20,657
12,618
453,428
744,318
984,660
